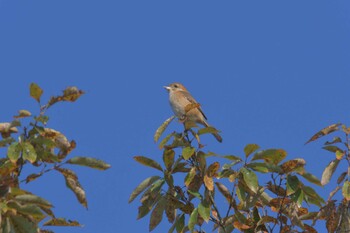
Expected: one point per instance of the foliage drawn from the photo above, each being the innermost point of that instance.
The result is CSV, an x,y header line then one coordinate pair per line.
x,y
45,150
262,190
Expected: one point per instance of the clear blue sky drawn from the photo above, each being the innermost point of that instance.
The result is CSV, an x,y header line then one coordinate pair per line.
x,y
265,72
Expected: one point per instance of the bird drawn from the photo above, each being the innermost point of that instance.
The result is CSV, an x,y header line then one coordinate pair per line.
x,y
179,98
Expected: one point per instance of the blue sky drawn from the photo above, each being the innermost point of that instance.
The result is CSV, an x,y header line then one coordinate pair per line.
x,y
265,72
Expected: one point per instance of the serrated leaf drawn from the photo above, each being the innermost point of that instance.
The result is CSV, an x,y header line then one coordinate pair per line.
x,y
148,162
346,190
328,171
162,128
142,186
62,222
193,219
204,210
14,151
29,152
250,148
250,179
35,91
157,214
187,152
89,162
273,156
324,131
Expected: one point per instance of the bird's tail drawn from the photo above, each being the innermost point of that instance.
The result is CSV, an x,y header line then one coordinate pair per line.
x,y
216,135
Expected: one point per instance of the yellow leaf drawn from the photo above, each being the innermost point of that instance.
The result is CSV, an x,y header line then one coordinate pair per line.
x,y
208,182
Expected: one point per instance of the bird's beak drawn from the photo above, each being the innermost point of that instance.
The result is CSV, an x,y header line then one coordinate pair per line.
x,y
166,87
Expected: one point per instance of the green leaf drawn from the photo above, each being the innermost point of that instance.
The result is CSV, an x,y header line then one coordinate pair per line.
x,y
168,158
273,156
332,148
187,152
206,130
328,171
334,141
89,162
346,190
157,214
42,118
250,148
148,162
22,225
162,128
28,210
312,196
180,224
204,210
313,179
29,152
250,179
264,167
292,184
196,194
14,151
35,91
142,186
189,177
32,199
298,197
62,222
232,157
165,140
193,219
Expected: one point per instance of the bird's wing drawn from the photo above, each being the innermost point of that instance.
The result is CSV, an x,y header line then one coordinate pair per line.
x,y
188,96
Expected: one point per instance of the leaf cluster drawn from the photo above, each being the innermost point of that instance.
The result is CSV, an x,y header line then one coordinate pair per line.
x,y
45,150
284,202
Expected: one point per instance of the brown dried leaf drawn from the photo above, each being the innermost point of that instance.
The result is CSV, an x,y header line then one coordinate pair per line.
x,y
324,131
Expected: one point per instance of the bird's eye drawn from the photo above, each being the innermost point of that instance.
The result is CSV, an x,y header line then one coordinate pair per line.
x,y
176,86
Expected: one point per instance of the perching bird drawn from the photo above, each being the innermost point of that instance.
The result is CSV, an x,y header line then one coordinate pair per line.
x,y
179,98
